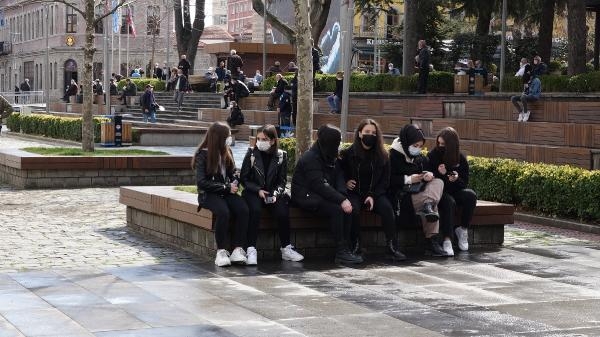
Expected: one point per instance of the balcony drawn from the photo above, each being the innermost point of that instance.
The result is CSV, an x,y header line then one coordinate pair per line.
x,y
5,48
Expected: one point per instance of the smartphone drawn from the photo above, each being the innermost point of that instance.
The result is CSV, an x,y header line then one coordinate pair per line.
x,y
269,200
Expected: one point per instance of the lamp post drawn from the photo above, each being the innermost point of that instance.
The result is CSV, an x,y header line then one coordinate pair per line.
x,y
503,45
346,10
264,64
47,77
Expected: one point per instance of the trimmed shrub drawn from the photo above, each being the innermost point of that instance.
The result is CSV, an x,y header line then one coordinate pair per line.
x,y
140,83
51,126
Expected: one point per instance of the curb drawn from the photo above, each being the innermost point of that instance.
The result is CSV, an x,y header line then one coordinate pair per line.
x,y
49,141
552,222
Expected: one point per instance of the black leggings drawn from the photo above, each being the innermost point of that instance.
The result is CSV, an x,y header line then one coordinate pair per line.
x,y
383,207
280,210
340,221
222,209
466,199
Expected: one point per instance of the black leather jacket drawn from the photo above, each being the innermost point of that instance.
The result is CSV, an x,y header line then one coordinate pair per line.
x,y
209,183
254,178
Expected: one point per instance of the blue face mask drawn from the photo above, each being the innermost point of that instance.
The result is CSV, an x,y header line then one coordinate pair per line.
x,y
414,151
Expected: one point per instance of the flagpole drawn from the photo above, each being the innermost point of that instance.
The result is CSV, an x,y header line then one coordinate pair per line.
x,y
128,27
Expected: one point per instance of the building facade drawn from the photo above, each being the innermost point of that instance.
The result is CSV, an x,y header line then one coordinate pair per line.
x,y
27,27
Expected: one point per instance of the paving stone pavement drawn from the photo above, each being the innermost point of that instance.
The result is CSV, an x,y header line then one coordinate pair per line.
x,y
69,267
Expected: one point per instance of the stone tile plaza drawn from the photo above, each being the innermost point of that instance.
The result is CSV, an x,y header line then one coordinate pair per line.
x,y
70,267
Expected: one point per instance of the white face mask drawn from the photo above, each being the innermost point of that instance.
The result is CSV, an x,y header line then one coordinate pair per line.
x,y
414,151
263,145
229,141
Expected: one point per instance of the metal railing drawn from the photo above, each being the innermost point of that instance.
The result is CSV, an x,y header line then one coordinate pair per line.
x,y
24,98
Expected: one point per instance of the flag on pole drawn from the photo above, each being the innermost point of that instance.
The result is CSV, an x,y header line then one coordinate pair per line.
x,y
130,21
116,16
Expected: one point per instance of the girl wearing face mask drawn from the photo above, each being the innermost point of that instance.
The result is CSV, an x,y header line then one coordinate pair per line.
x,y
217,192
366,169
451,166
407,172
264,176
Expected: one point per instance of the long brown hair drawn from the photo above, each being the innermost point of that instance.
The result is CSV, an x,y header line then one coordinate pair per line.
x,y
270,131
379,147
214,142
451,155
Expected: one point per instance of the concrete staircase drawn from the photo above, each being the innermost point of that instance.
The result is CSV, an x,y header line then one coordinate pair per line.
x,y
187,117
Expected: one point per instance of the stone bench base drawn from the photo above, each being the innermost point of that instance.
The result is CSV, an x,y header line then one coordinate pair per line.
x,y
170,216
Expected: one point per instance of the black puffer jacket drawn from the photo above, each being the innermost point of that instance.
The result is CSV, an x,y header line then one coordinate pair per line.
x,y
254,178
315,180
210,183
350,162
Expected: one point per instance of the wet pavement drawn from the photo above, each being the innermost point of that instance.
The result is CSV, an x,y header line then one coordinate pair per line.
x,y
69,267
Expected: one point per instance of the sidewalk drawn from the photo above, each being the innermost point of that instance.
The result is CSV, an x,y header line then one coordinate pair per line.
x,y
69,267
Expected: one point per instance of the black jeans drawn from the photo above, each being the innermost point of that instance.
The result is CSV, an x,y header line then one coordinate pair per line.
x,y
222,209
383,208
466,199
422,85
280,210
340,221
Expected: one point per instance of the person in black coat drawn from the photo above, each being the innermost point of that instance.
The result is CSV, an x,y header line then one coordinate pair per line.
x,y
234,63
180,86
264,176
414,188
113,87
236,117
451,166
335,99
277,91
217,192
316,188
423,64
366,169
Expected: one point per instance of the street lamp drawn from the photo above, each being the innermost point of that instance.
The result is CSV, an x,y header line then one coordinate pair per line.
x,y
47,77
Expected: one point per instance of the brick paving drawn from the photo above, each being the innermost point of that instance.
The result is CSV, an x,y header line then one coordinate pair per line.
x,y
69,267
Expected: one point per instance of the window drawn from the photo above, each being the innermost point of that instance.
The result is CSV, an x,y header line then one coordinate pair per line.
x,y
51,20
28,71
99,11
222,19
124,15
55,76
153,20
367,23
71,20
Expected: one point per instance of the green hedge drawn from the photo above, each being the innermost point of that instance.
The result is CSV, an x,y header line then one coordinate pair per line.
x,y
51,126
554,190
140,83
439,82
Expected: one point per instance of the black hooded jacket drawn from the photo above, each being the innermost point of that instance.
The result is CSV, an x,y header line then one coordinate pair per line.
x,y
211,183
254,178
316,177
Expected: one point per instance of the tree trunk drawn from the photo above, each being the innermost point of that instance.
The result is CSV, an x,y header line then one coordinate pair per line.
x,y
483,19
87,123
545,31
304,43
319,12
186,33
411,8
577,36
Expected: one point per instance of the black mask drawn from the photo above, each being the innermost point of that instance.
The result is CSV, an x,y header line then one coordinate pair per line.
x,y
369,140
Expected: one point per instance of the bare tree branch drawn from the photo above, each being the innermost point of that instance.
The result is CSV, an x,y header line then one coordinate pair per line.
x,y
258,7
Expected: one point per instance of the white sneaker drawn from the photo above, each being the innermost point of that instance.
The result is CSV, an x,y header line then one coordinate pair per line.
x,y
520,117
526,116
222,259
251,256
238,256
448,247
462,235
289,254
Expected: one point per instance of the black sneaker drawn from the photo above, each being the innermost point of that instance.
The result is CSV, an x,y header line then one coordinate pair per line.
x,y
428,212
344,256
435,249
392,251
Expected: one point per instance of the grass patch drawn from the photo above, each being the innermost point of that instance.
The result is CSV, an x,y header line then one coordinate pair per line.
x,y
189,189
73,151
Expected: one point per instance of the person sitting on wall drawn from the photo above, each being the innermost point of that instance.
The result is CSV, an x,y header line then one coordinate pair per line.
x,y
130,89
